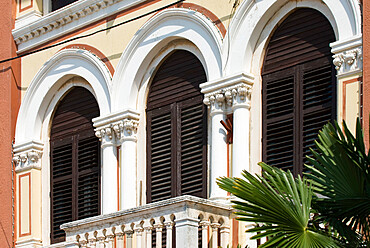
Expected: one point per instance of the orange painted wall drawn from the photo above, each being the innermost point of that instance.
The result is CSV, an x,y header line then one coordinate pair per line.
x,y
9,105
366,69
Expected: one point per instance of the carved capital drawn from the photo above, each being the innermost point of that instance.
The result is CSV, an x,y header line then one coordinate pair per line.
x,y
229,96
27,156
117,126
228,91
347,56
126,129
105,134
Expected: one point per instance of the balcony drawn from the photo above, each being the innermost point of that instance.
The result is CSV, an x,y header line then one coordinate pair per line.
x,y
182,222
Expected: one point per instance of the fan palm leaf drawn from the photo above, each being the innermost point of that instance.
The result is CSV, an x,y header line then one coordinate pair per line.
x,y
339,170
281,206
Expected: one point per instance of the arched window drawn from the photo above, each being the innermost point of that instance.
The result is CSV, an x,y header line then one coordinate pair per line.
x,y
176,129
299,88
75,161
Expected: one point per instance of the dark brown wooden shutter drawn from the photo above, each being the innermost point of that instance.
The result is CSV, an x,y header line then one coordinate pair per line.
x,y
176,129
75,161
58,4
299,89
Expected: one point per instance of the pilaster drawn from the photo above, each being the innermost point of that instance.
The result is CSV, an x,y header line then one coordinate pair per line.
x,y
348,63
27,161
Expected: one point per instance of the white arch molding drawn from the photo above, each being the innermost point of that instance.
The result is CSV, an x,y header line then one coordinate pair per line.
x,y
154,39
50,80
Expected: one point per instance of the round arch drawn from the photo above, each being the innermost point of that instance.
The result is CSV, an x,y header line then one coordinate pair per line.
x,y
255,21
169,30
49,85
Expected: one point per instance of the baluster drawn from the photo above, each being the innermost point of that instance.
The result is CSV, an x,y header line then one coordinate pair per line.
x,y
139,236
120,236
148,236
129,234
100,238
205,224
109,241
215,227
92,240
225,235
83,240
169,227
158,234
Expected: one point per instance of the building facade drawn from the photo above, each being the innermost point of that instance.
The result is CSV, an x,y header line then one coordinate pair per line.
x,y
121,114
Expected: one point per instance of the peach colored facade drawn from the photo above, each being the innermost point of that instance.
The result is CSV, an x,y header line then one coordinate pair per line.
x,y
116,66
10,85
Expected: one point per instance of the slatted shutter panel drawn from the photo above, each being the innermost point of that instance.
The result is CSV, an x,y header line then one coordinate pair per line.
x,y
58,4
75,161
176,129
299,90
193,140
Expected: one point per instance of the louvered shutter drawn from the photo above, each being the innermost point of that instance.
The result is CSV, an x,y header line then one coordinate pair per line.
x,y
176,129
75,161
299,90
193,141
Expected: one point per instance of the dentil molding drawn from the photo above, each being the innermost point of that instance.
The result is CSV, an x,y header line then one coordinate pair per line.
x,y
347,56
27,156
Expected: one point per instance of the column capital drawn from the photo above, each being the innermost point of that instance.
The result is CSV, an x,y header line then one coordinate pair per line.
x,y
229,91
119,126
105,135
27,155
347,56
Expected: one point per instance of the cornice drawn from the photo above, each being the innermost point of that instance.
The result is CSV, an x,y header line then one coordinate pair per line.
x,y
68,19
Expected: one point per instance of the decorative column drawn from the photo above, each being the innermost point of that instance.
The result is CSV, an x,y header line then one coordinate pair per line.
x,y
109,169
238,97
218,161
348,62
223,96
113,130
126,131
27,163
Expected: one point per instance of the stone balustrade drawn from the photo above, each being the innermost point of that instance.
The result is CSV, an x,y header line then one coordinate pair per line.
x,y
181,222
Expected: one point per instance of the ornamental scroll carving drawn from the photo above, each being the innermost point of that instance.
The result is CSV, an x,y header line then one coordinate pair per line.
x,y
230,96
126,128
348,61
27,156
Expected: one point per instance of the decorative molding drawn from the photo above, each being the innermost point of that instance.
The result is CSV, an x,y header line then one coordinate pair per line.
x,y
228,91
85,11
347,56
121,125
27,18
27,156
32,242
